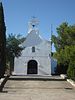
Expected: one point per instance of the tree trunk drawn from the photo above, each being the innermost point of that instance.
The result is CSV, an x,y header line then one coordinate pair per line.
x,y
11,64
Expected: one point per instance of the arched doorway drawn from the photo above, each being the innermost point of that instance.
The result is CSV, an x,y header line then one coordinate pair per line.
x,y
32,67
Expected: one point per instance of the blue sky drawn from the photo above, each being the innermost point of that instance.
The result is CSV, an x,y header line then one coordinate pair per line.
x,y
19,12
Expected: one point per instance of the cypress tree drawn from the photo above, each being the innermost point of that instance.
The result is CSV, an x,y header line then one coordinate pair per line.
x,y
2,42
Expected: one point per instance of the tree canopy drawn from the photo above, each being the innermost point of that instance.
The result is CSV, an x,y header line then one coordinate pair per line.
x,y
65,46
13,48
66,36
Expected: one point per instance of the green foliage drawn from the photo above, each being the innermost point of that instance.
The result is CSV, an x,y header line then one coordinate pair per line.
x,y
66,36
12,44
71,69
71,56
65,48
13,48
2,42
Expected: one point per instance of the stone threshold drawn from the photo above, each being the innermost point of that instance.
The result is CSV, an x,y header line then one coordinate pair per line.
x,y
36,77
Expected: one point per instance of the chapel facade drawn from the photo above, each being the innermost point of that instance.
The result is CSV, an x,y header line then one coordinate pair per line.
x,y
36,56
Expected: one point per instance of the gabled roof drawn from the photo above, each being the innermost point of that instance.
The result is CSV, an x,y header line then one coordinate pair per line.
x,y
33,38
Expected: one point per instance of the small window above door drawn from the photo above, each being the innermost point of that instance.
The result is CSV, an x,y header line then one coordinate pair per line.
x,y
33,49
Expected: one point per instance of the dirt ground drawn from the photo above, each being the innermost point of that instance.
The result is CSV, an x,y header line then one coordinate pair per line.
x,y
37,90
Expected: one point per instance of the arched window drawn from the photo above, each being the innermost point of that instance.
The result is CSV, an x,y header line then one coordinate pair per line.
x,y
33,49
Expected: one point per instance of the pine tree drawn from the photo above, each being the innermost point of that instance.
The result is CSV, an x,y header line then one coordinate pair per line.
x,y
2,42
65,49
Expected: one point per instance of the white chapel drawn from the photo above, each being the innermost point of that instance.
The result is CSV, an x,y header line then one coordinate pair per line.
x,y
36,56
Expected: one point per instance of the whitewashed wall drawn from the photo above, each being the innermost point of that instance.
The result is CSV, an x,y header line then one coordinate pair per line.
x,y
41,55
